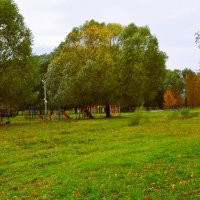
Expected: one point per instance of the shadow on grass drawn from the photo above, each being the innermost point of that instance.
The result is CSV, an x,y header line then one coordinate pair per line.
x,y
24,123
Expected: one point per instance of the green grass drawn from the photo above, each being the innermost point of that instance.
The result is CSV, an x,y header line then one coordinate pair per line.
x,y
101,159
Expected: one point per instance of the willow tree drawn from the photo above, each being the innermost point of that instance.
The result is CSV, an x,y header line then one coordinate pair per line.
x,y
142,66
106,64
83,71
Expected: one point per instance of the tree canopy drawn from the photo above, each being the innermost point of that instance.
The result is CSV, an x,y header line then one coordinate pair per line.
x,y
16,65
105,64
181,88
143,66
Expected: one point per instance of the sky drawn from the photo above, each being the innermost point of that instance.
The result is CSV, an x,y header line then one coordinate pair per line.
x,y
173,22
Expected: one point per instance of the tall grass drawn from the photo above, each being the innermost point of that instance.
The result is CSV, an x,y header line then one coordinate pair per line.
x,y
184,113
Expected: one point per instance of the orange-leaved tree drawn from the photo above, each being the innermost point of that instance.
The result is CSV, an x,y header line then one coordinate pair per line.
x,y
193,89
169,99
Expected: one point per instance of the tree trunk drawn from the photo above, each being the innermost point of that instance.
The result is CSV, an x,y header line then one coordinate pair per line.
x,y
76,110
108,111
185,101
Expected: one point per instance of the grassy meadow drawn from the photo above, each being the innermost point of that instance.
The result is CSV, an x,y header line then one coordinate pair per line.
x,y
101,158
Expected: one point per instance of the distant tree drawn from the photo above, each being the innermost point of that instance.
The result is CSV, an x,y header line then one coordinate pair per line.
x,y
193,89
16,66
175,83
169,99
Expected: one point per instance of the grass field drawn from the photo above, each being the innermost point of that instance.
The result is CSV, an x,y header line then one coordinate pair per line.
x,y
101,159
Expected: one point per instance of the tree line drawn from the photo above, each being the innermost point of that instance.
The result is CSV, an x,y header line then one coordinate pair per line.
x,y
97,63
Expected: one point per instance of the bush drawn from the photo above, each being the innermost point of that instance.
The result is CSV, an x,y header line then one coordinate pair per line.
x,y
135,119
174,115
183,114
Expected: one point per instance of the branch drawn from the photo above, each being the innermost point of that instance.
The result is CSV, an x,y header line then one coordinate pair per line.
x,y
197,38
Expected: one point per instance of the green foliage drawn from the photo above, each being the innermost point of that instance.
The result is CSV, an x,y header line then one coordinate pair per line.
x,y
142,66
15,37
103,64
16,66
175,82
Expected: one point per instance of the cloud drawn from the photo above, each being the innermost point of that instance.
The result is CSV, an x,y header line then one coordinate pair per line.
x,y
173,22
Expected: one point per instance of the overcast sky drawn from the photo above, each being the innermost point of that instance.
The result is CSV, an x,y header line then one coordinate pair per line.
x,y
173,22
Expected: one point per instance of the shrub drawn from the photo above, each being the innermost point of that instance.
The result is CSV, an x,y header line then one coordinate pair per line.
x,y
174,115
135,119
183,114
